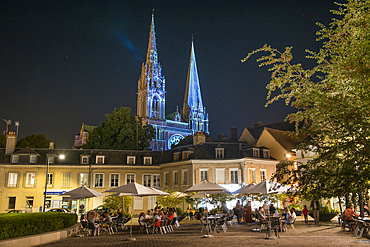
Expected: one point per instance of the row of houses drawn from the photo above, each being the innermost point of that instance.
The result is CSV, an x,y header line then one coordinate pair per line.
x,y
231,164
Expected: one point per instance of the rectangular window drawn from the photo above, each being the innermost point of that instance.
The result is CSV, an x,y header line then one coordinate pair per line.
x,y
83,179
29,202
146,180
157,180
263,175
66,179
114,180
50,179
266,154
185,177
51,159
175,178
99,159
84,160
99,180
256,153
252,176
220,176
166,179
203,175
130,178
234,177
12,179
11,202
219,153
30,179
15,159
131,160
176,156
33,158
147,160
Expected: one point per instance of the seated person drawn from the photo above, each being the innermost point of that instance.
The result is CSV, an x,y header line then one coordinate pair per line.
x,y
155,219
348,215
148,216
142,217
91,218
261,215
119,214
106,219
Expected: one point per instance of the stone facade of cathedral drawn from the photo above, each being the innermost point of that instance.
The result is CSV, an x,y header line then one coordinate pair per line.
x,y
151,101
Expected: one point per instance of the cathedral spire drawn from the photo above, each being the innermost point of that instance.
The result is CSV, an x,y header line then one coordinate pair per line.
x,y
151,55
193,98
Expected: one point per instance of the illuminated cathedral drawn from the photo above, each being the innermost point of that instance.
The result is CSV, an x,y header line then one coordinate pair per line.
x,y
151,101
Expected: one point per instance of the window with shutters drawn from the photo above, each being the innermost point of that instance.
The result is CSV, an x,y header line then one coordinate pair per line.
x,y
66,179
83,179
156,180
13,179
175,178
30,179
220,176
185,177
203,174
252,175
166,178
263,175
50,179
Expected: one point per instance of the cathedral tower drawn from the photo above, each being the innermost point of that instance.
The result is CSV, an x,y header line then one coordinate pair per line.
x,y
151,85
193,111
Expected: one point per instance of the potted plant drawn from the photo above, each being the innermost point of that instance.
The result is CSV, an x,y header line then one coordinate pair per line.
x,y
297,207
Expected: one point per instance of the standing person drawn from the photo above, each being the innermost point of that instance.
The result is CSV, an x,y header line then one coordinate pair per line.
x,y
226,210
316,210
305,214
239,211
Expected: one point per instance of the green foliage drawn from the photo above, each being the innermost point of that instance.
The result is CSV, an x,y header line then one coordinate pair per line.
x,y
171,200
334,96
180,212
194,202
19,225
121,131
116,202
2,141
34,141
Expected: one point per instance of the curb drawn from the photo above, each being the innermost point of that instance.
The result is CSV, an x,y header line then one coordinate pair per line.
x,y
42,238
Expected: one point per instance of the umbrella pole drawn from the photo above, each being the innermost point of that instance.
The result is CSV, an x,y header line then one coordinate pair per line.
x,y
132,216
208,225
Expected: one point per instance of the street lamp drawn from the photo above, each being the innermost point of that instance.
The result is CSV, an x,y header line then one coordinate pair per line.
x,y
46,179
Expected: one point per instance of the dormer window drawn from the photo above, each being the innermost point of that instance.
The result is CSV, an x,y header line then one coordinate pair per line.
x,y
185,155
15,158
176,156
131,160
147,160
266,154
100,159
85,160
51,159
256,153
33,158
219,153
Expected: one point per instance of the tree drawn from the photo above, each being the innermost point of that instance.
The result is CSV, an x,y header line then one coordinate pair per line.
x,y
34,141
334,96
171,200
116,202
121,131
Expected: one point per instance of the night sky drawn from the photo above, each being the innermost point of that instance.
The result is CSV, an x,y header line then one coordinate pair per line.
x,y
63,63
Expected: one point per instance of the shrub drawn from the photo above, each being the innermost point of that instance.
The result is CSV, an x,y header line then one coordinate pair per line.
x,y
180,212
19,225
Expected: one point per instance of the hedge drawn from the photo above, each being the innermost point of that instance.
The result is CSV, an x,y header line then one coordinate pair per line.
x,y
20,225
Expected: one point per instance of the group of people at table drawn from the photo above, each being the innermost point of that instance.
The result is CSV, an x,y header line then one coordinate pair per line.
x,y
157,216
99,222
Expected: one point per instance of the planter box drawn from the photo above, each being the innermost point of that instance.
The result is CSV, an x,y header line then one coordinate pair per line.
x,y
325,216
298,212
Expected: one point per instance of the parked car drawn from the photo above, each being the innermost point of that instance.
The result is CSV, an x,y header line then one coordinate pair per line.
x,y
100,209
59,210
16,211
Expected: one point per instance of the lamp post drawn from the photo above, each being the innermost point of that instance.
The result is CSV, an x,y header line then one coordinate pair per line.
x,y
46,179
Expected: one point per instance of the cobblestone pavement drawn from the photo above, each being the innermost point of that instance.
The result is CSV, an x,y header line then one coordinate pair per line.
x,y
188,234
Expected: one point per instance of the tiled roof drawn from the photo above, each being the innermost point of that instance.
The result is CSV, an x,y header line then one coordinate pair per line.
x,y
287,141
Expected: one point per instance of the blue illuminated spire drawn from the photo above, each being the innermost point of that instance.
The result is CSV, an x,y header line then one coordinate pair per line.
x,y
193,97
151,55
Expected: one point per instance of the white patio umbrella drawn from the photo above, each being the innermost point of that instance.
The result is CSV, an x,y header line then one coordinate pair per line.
x,y
134,189
162,193
265,187
81,193
206,187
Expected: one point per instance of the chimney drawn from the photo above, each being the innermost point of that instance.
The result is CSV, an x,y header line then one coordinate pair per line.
x,y
234,134
10,143
198,138
51,145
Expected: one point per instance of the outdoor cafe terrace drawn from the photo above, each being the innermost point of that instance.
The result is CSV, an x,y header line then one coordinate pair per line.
x,y
188,234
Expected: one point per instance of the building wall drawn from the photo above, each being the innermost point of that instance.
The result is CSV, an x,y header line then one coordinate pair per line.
x,y
276,150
